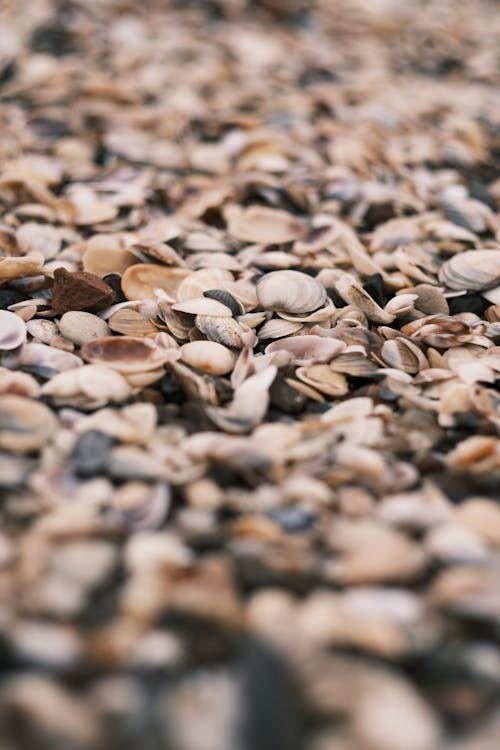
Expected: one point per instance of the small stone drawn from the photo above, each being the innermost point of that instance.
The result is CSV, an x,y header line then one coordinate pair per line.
x,y
80,291
91,452
80,327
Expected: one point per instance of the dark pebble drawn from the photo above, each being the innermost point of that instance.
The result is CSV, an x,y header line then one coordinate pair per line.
x,y
10,297
374,285
53,39
91,453
286,398
80,291
293,519
472,303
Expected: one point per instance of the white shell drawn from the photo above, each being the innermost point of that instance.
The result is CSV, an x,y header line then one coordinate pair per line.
x,y
12,330
472,270
203,306
290,291
208,356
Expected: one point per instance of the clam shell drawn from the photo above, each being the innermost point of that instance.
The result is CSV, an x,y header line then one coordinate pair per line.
x,y
276,328
308,349
34,355
323,379
261,224
125,353
142,279
208,356
403,355
131,322
352,292
78,326
290,291
25,425
203,306
224,331
19,267
95,383
106,254
472,270
199,281
41,329
12,330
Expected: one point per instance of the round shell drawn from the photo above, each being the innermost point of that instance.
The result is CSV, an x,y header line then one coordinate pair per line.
x,y
125,353
290,291
25,425
141,280
472,270
12,330
105,254
208,356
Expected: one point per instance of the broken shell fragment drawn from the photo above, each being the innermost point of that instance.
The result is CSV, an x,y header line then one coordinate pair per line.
x,y
19,267
125,353
404,355
12,331
290,291
106,254
226,331
141,280
352,292
208,356
472,270
25,425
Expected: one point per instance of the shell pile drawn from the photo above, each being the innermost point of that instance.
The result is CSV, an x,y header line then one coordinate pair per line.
x,y
250,375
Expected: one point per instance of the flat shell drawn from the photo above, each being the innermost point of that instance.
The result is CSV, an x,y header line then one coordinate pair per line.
x,y
308,349
290,291
125,353
12,330
208,356
142,279
473,270
25,425
265,225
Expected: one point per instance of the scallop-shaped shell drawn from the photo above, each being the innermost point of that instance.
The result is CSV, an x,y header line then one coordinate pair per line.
x,y
208,356
309,349
106,254
199,281
25,425
142,279
472,270
12,331
290,291
261,224
125,353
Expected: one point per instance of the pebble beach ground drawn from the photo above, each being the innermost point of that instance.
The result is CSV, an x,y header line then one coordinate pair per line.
x,y
249,375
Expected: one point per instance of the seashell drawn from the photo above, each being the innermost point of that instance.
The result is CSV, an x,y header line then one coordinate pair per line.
x,y
253,320
199,281
179,324
141,280
244,291
249,404
276,328
403,355
305,390
141,507
199,242
430,299
275,259
222,261
352,292
221,295
131,322
90,383
268,226
20,266
143,379
290,291
125,353
473,270
401,304
317,238
78,326
159,251
309,349
40,238
12,331
492,295
105,253
224,331
25,425
203,306
41,329
208,356
318,316
323,379
36,356
19,383
353,363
